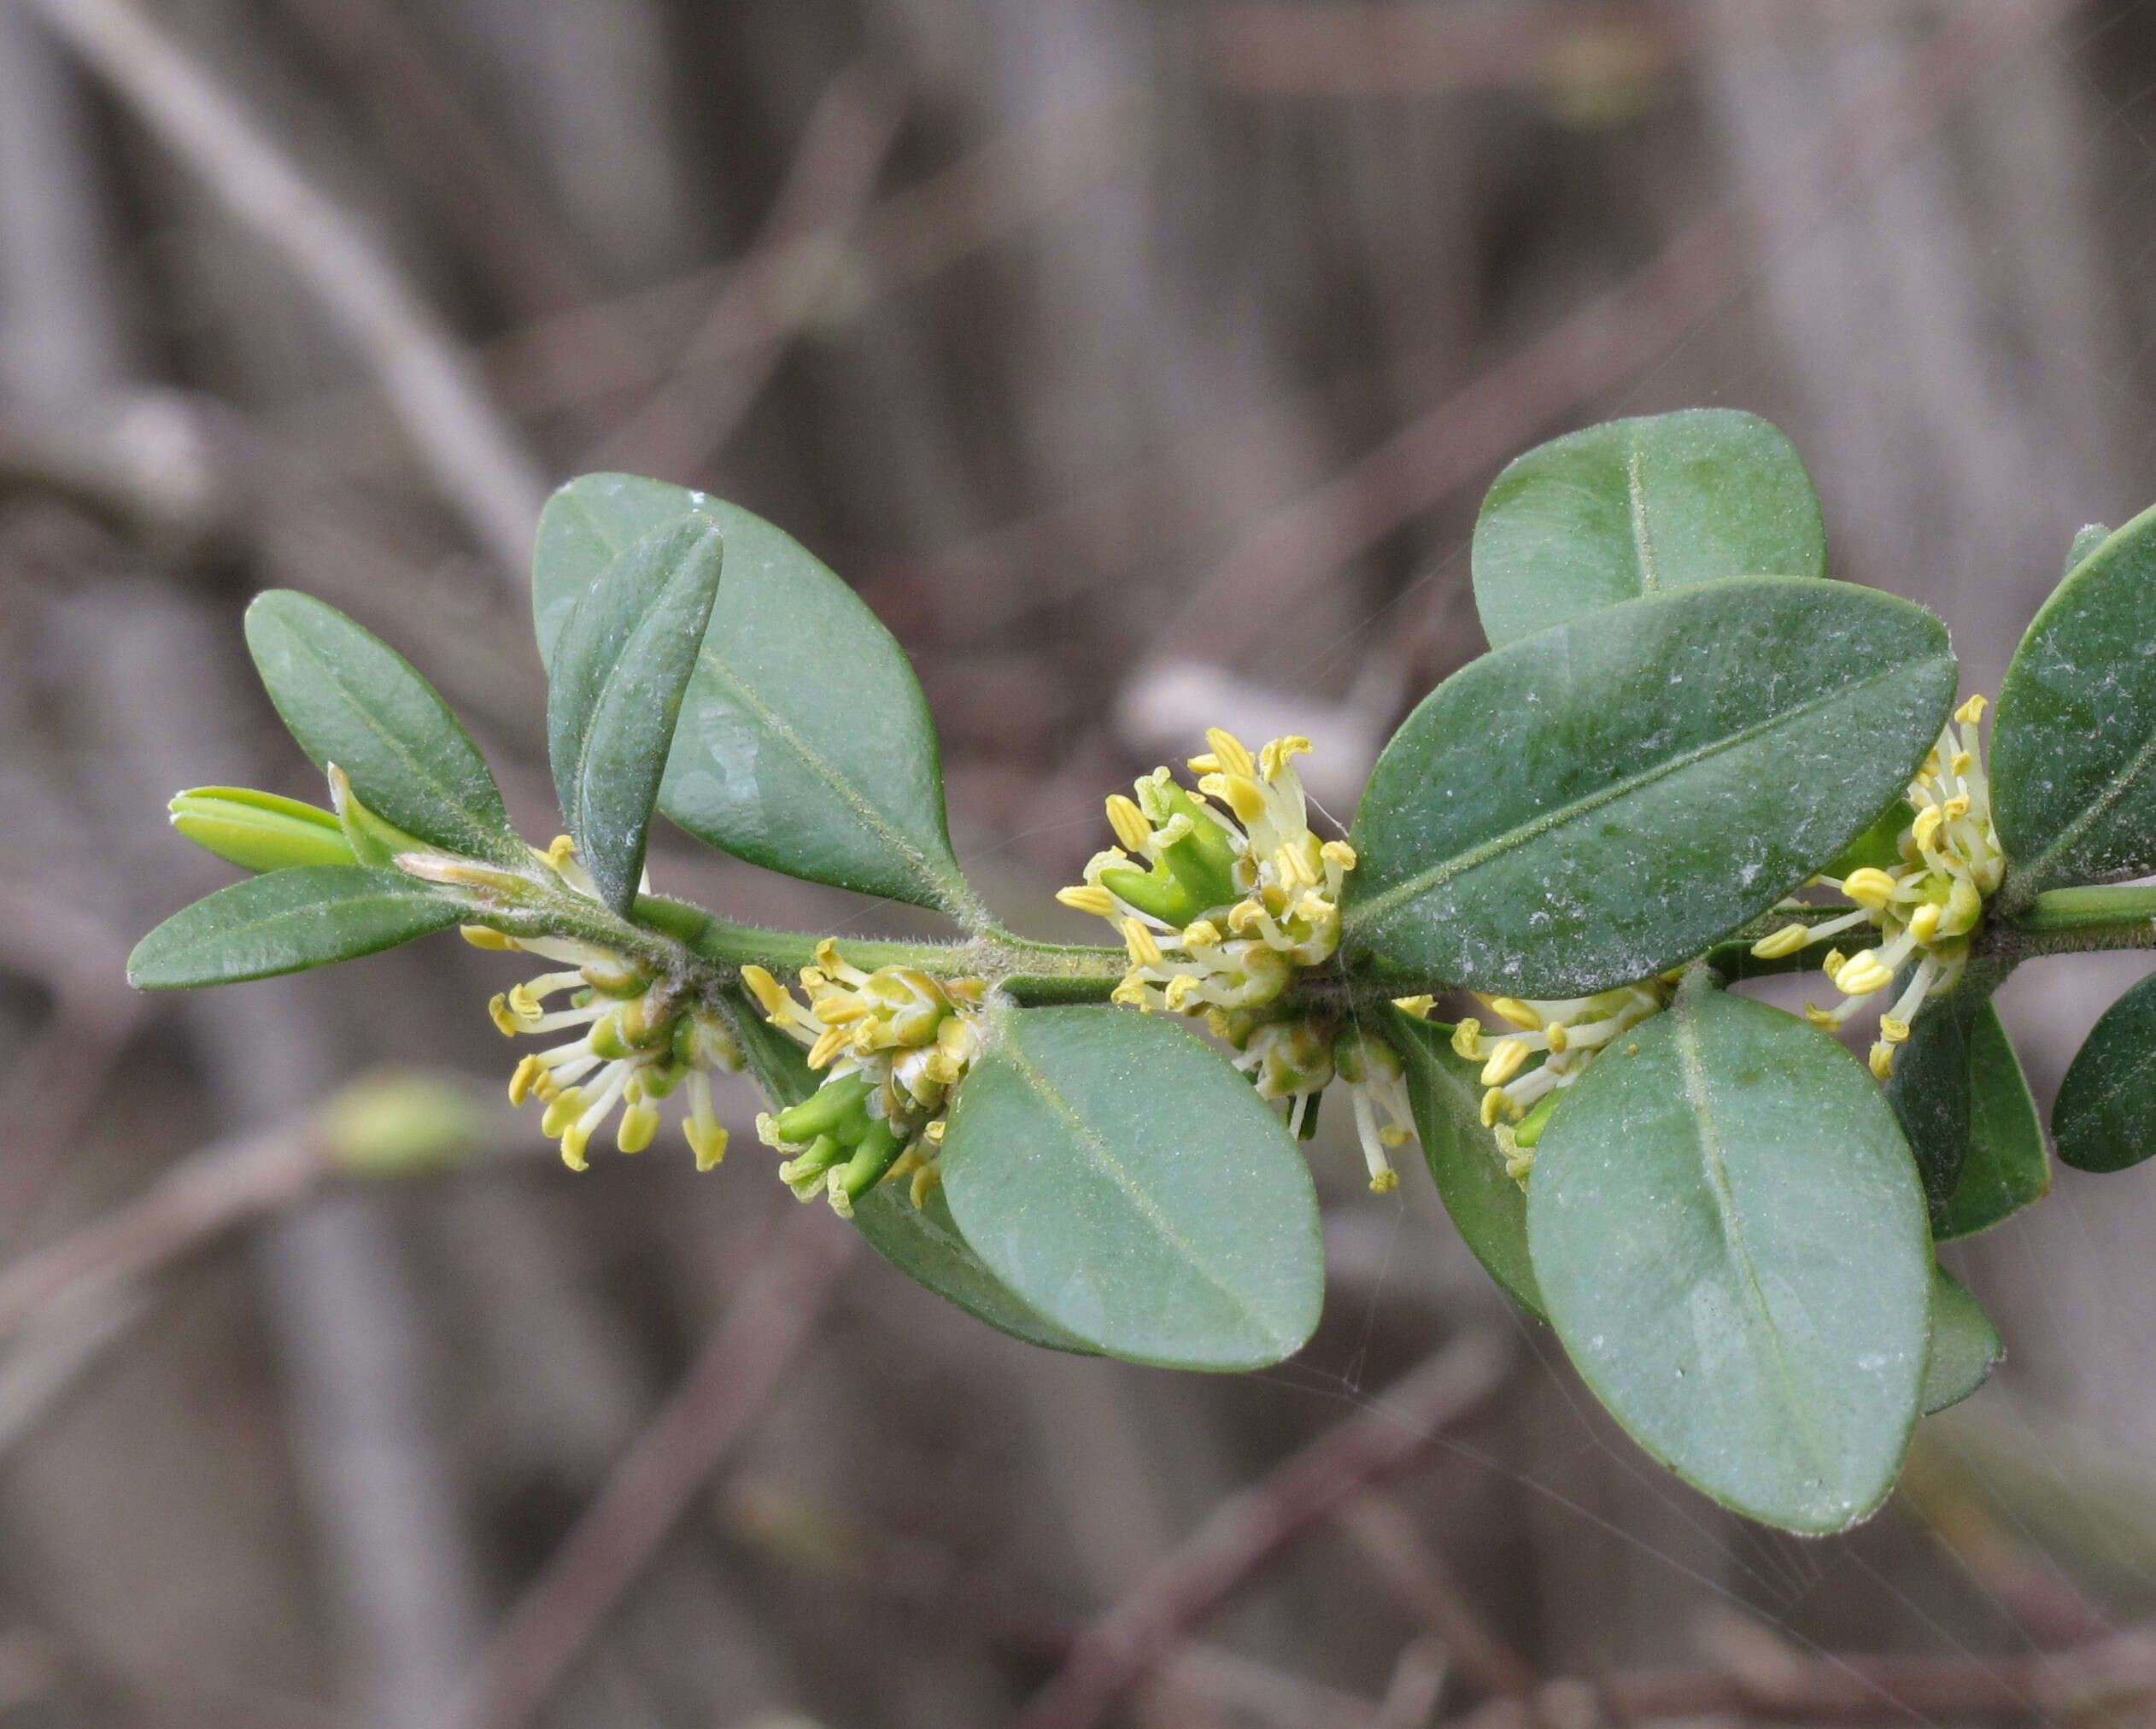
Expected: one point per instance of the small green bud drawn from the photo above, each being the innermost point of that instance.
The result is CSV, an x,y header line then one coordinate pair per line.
x,y
1532,1125
1157,892
878,1151
259,831
823,1110
373,840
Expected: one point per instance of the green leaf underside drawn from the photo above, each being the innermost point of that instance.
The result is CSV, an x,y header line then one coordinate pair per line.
x,y
2105,1117
927,1247
804,743
2073,746
1115,1171
1966,1347
1594,804
287,921
1636,507
1487,1208
620,667
1929,1092
351,698
2006,1168
1730,1240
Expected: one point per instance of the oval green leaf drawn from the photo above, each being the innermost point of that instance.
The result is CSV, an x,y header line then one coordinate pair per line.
x,y
1599,801
924,1244
351,698
2104,1117
1729,1239
285,922
1129,1185
803,742
2073,746
1639,507
1929,1092
1487,1207
621,665
2006,1168
1966,1347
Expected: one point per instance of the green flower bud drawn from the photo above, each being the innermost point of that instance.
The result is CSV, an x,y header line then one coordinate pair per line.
x,y
259,831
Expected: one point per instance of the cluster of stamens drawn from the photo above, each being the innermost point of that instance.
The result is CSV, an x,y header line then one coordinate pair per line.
x,y
894,1042
1926,908
1567,1034
1293,1059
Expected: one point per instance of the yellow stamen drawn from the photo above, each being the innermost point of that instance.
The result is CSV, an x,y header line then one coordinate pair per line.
x,y
1140,941
832,1041
1882,1060
1785,942
1466,1040
1893,1031
528,1073
1492,1103
639,1126
1233,756
1338,852
1923,922
485,936
1506,1060
1516,1011
1128,822
1970,712
1089,898
1385,1182
1863,974
1869,887
707,1141
1420,1006
1926,827
766,990
498,1007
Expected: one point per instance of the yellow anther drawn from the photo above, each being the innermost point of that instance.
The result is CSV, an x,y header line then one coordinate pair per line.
x,y
1822,1018
1234,756
1089,898
1835,961
1519,1013
1926,827
1882,1060
1418,1006
1492,1102
1970,712
528,1075
766,990
924,1180
1507,1057
1202,935
1338,852
839,1012
1955,808
1130,994
573,1141
1238,792
1554,1031
1863,974
1785,942
1140,941
1964,760
562,1111
498,1009
1893,1031
1466,1040
1295,869
527,1008
1205,763
1385,1182
1923,922
1278,754
1128,822
485,936
1964,907
832,1041
1180,992
638,1128
1245,917
1869,887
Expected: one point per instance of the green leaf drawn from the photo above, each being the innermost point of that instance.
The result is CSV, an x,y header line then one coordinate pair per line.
x,y
803,742
621,664
351,698
1596,803
287,921
1636,507
925,1245
1929,1092
1966,1347
2073,746
259,831
1127,1184
1880,846
2104,1117
1731,1241
1488,1208
2006,1168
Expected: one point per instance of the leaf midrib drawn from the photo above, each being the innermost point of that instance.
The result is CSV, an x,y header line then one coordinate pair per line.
x,y
1104,1159
1459,865
1642,537
1714,1165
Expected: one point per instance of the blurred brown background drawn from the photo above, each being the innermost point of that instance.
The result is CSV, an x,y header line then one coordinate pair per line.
x,y
1143,365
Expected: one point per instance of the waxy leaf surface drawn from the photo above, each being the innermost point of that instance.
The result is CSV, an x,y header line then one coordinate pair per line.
x,y
351,698
803,742
287,921
1487,1207
2104,1117
2073,746
1639,507
1966,1347
1116,1172
1730,1240
620,667
925,1244
1595,803
2005,1167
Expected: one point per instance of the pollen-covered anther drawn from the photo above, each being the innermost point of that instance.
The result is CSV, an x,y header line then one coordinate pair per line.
x,y
1785,942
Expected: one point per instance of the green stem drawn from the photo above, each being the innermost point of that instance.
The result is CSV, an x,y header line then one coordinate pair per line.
x,y
2088,909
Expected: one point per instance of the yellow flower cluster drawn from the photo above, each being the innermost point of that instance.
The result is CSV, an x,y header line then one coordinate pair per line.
x,y
1927,907
1230,900
894,1041
1567,1034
